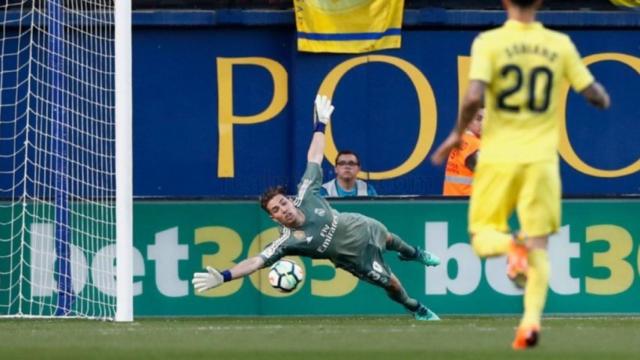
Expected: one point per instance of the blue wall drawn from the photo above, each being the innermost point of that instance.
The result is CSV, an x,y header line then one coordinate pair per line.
x,y
176,91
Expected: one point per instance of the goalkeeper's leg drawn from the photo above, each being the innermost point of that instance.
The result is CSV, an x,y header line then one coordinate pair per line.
x,y
372,268
408,252
395,243
397,293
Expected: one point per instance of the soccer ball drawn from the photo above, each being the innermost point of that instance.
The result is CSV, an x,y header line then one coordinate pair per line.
x,y
285,275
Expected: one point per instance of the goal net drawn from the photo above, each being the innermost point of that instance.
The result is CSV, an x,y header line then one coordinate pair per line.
x,y
58,195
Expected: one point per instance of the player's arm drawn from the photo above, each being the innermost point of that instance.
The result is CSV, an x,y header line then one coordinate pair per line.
x,y
582,80
471,103
596,95
311,181
322,115
316,149
246,267
203,281
480,73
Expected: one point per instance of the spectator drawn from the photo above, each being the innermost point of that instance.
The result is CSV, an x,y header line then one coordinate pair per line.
x,y
346,182
462,161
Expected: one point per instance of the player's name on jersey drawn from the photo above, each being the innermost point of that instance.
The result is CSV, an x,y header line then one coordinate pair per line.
x,y
530,49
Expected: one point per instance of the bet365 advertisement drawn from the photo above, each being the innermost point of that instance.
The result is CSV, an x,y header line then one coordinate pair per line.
x,y
595,262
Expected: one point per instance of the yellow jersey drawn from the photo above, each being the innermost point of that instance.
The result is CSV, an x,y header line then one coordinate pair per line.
x,y
524,66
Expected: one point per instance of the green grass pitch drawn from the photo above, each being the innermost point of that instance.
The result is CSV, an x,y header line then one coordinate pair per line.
x,y
325,338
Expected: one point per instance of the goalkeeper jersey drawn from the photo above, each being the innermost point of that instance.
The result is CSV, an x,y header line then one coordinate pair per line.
x,y
326,233
524,66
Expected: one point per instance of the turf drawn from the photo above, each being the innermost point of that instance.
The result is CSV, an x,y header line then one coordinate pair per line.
x,y
315,338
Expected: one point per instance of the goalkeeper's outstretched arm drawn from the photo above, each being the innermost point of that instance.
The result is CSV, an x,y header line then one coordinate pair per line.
x,y
322,116
203,281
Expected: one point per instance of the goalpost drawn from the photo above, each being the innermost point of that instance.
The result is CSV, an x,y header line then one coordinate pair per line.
x,y
65,159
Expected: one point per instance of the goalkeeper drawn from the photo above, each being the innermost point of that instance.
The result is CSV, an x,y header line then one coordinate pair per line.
x,y
312,228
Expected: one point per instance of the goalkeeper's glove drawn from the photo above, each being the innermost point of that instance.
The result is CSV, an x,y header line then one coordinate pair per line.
x,y
203,281
322,112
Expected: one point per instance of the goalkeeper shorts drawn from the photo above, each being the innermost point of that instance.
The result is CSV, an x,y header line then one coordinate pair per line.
x,y
370,267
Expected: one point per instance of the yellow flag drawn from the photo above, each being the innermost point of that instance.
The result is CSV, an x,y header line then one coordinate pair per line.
x,y
627,4
348,26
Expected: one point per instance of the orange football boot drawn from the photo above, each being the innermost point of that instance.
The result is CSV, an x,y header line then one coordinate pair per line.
x,y
526,337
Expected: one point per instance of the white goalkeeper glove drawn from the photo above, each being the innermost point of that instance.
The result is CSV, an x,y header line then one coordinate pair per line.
x,y
323,109
203,281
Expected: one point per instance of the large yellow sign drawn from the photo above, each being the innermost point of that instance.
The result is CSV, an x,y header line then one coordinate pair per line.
x,y
426,103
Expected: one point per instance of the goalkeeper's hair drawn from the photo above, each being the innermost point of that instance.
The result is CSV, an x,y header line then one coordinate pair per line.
x,y
524,3
268,194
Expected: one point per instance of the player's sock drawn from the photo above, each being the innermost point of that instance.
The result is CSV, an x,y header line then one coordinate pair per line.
x,y
400,246
535,293
398,294
407,252
403,298
423,313
491,242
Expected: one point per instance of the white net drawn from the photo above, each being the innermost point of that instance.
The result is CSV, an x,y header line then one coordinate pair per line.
x,y
57,159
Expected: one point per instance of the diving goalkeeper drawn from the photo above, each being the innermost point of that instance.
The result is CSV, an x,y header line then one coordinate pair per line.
x,y
312,228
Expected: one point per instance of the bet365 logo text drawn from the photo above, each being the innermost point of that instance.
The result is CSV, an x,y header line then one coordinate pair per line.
x,y
605,263
607,247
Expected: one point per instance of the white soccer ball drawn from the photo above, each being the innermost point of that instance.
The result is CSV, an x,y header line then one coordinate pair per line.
x,y
285,275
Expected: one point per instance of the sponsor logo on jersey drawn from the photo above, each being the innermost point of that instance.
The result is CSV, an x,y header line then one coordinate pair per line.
x,y
327,233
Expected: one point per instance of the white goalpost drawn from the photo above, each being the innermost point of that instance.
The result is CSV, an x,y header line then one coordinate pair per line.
x,y
65,159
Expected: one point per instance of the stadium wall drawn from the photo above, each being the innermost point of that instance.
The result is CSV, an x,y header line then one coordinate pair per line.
x,y
197,72
188,64
223,102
